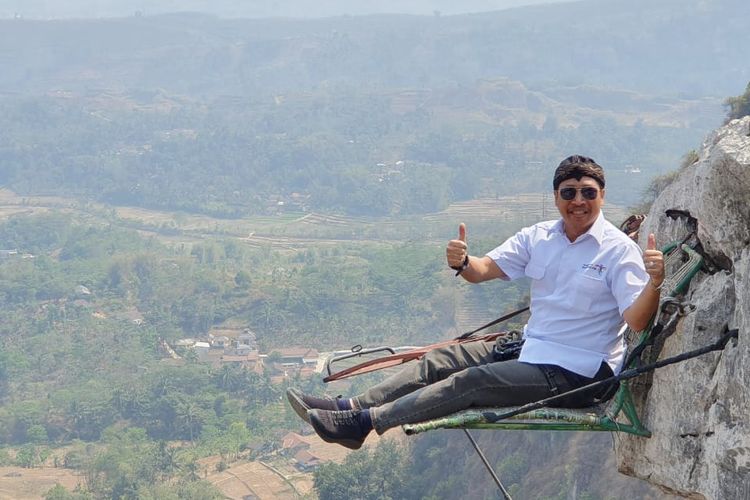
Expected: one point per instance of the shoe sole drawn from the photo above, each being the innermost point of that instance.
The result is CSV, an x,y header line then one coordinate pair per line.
x,y
299,406
352,444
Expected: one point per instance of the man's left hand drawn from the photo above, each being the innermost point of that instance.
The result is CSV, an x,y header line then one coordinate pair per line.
x,y
653,259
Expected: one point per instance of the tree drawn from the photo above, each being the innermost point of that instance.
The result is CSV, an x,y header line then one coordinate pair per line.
x,y
5,458
242,279
380,474
27,456
237,438
189,418
229,378
184,490
738,106
58,492
37,434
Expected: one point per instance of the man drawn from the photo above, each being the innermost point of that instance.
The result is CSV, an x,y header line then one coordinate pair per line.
x,y
586,278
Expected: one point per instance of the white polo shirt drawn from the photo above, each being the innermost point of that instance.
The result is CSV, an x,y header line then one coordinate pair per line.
x,y
579,291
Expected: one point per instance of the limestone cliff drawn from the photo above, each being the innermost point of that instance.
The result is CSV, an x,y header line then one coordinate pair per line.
x,y
699,410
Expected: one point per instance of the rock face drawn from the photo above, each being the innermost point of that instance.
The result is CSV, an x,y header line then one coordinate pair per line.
x,y
699,410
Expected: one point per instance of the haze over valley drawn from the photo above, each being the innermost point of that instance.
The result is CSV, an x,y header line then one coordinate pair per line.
x,y
199,198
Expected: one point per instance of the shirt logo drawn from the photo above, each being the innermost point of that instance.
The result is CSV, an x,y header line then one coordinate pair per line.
x,y
595,267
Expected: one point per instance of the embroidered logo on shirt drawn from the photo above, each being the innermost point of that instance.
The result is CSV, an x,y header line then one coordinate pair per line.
x,y
595,267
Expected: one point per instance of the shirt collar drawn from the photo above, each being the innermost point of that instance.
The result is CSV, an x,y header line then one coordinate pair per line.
x,y
596,230
557,227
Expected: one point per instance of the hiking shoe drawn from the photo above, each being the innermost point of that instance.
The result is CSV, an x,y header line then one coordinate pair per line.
x,y
340,427
301,402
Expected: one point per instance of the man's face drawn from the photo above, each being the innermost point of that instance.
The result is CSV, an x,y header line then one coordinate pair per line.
x,y
579,213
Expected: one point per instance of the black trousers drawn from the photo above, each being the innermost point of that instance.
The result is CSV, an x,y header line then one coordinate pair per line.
x,y
461,376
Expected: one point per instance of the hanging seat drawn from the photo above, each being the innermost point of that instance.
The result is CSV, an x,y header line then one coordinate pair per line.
x,y
619,414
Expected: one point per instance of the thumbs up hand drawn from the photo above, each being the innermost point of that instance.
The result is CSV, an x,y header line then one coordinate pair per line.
x,y
653,259
457,250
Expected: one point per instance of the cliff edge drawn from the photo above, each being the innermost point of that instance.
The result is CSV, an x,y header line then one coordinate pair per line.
x,y
699,410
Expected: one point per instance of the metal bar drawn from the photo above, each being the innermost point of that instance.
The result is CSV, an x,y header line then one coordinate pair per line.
x,y
624,375
502,318
556,417
355,353
603,425
489,468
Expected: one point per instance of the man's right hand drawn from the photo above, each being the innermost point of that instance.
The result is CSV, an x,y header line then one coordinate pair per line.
x,y
457,250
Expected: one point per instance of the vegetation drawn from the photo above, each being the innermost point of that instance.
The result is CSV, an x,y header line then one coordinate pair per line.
x,y
381,474
197,55
738,106
423,468
336,150
385,115
365,124
77,371
659,183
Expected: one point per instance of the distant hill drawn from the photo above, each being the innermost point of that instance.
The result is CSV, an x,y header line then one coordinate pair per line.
x,y
369,115
338,149
254,9
689,47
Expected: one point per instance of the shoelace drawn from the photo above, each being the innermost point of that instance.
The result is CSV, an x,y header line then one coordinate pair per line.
x,y
346,417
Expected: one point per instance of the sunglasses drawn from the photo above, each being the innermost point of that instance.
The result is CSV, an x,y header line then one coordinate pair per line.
x,y
588,193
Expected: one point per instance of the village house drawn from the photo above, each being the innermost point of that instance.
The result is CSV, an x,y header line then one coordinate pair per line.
x,y
297,356
201,349
249,360
292,442
7,254
297,448
239,347
220,342
243,350
247,338
306,461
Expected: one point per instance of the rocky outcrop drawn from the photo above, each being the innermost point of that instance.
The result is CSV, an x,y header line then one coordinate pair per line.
x,y
699,410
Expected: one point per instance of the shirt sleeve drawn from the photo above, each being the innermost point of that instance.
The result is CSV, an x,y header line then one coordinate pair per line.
x,y
629,277
513,255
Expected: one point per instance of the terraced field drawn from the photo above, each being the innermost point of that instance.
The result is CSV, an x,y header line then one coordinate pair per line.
x,y
295,231
279,478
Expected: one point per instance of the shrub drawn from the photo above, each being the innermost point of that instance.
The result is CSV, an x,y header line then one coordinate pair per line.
x,y
739,106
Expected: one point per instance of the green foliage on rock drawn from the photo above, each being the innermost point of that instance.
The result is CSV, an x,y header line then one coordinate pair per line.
x,y
738,106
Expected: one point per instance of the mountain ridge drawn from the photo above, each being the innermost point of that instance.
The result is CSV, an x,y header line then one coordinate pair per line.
x,y
691,50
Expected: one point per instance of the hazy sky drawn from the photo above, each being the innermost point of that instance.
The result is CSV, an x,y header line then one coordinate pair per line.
x,y
46,9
